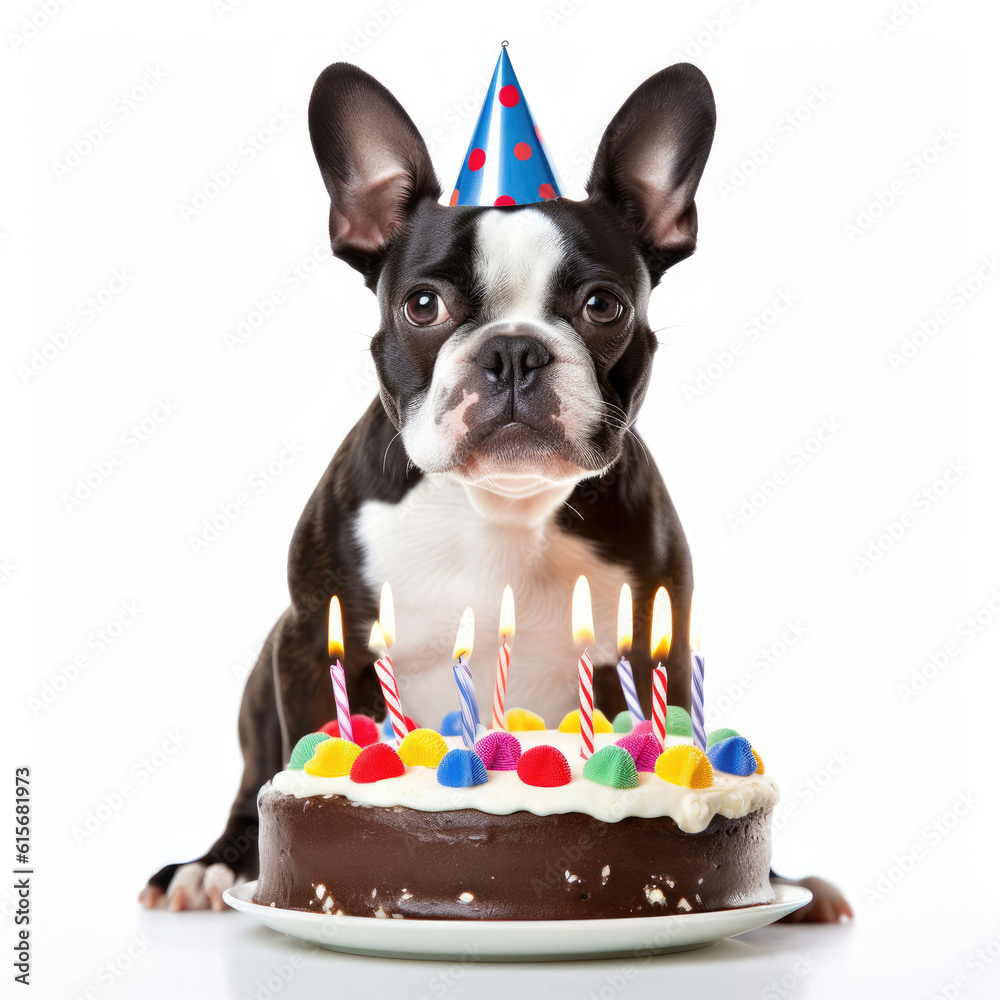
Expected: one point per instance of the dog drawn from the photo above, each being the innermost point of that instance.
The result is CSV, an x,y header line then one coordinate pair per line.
x,y
512,356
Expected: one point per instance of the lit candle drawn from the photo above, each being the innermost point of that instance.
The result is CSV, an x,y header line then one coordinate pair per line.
x,y
387,679
697,680
503,658
335,643
463,678
624,647
583,636
659,645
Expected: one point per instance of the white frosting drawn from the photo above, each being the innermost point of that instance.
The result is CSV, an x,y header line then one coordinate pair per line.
x,y
691,809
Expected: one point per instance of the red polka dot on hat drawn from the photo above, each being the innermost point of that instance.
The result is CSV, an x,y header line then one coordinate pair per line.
x,y
522,151
454,197
509,95
505,199
546,191
477,158
538,134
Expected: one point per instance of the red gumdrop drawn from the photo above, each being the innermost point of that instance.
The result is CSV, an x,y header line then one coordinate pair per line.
x,y
643,748
543,766
364,729
410,724
375,763
332,729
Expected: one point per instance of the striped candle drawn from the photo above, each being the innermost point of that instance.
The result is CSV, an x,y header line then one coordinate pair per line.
x,y
343,705
503,658
500,691
660,703
586,705
583,637
698,701
463,678
628,689
390,692
468,703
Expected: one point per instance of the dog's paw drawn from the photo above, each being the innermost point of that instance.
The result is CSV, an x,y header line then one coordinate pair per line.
x,y
828,905
194,886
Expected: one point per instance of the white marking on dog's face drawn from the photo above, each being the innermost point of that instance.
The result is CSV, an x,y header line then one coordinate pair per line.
x,y
515,262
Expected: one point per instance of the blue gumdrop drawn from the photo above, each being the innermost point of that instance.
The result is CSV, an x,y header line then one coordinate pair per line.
x,y
463,769
451,724
387,725
733,756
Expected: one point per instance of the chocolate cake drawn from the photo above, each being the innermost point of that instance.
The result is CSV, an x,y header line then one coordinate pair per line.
x,y
410,847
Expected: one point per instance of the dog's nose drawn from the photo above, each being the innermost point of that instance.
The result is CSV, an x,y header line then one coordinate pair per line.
x,y
511,361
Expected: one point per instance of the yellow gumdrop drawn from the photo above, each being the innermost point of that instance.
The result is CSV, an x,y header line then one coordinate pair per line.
x,y
520,719
332,759
760,763
422,748
571,722
686,766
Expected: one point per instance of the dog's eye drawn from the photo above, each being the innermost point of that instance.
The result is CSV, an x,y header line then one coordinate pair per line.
x,y
425,308
603,307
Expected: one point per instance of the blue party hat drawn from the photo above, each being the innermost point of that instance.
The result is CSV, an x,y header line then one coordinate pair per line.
x,y
507,162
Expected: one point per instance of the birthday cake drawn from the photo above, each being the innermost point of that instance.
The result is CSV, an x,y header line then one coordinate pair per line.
x,y
521,827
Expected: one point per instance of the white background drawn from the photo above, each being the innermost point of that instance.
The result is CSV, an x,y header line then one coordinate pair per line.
x,y
172,676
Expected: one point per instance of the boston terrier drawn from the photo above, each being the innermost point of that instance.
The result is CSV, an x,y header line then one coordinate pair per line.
x,y
513,355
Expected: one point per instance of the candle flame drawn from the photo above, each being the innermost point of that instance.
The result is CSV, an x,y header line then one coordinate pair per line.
x,y
507,614
659,640
377,643
387,615
695,625
466,634
335,630
583,614
625,620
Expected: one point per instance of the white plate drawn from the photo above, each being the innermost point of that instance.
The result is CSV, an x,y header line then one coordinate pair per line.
x,y
517,940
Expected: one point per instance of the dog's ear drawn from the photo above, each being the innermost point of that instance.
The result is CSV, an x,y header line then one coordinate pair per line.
x,y
373,161
651,158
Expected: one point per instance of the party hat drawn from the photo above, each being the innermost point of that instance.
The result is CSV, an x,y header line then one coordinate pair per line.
x,y
507,163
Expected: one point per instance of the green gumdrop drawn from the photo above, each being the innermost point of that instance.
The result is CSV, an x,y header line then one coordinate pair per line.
x,y
622,723
612,766
678,721
720,734
304,750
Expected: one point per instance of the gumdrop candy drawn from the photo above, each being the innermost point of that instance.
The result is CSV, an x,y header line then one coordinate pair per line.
x,y
451,724
499,751
678,721
612,766
461,769
520,719
720,734
686,766
646,726
623,722
643,748
571,722
733,755
422,748
332,758
760,763
375,763
387,725
304,749
543,766
364,730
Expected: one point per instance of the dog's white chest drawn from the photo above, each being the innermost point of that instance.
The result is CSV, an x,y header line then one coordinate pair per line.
x,y
440,555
